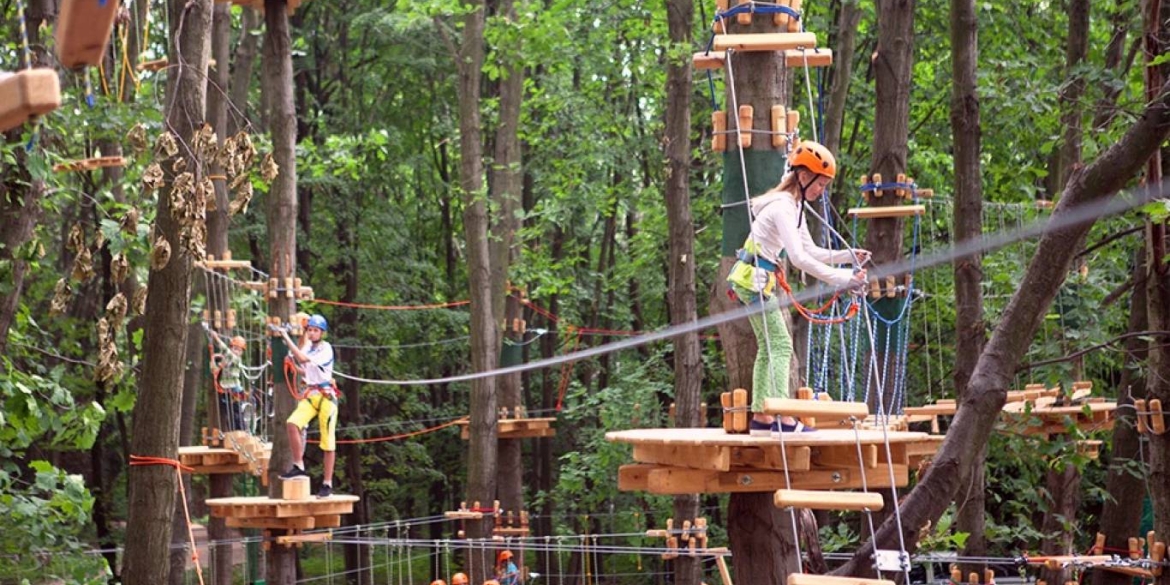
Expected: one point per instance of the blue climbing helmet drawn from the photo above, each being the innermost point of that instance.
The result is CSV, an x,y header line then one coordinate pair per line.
x,y
319,322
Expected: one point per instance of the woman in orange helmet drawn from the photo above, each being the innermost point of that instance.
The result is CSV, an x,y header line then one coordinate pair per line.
x,y
779,231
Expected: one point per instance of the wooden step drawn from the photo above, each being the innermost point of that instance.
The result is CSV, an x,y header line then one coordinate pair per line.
x,y
821,409
709,60
887,211
765,41
83,30
811,57
27,93
821,500
803,579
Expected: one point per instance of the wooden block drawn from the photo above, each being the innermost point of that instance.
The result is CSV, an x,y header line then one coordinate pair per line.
x,y
819,500
634,478
1141,415
719,131
27,93
804,393
708,60
296,488
1157,417
745,125
1157,553
764,41
291,539
743,19
779,127
794,23
1135,548
725,401
808,57
1151,538
740,417
83,30
886,211
816,408
780,19
793,122
803,579
695,457
1099,544
845,456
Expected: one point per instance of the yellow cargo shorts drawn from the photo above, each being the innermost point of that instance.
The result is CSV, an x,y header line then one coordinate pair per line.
x,y
317,405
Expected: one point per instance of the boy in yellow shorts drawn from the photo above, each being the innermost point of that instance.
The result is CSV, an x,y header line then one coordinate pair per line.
x,y
315,360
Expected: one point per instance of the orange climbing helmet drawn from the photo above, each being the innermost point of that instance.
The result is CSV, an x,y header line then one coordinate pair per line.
x,y
503,556
239,342
459,579
814,157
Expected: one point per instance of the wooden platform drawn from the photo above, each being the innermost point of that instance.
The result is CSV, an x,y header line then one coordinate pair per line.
x,y
27,93
213,460
1054,420
516,428
265,512
886,211
681,461
83,31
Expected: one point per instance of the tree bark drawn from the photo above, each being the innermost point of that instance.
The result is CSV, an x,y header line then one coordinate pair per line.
x,y
842,73
282,244
153,488
987,389
1077,52
1106,107
681,294
969,326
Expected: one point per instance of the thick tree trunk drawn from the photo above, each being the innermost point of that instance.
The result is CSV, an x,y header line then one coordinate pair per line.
x,y
1064,497
485,337
506,184
842,72
969,326
282,244
1121,514
761,542
987,389
1076,51
153,488
681,294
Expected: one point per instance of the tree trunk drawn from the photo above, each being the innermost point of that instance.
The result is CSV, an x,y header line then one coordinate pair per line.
x,y
761,542
893,63
681,295
282,245
506,184
969,326
1077,51
842,73
153,488
1121,514
485,338
1106,106
987,389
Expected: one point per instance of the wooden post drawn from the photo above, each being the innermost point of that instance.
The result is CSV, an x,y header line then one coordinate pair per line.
x,y
794,24
779,127
740,417
719,131
745,125
780,19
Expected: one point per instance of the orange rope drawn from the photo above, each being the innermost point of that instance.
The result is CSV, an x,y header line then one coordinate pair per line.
x,y
397,437
394,307
567,369
812,315
179,469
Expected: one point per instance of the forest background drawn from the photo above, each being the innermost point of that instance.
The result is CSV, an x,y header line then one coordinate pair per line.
x,y
380,221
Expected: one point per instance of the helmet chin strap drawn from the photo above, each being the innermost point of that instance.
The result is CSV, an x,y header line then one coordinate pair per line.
x,y
803,200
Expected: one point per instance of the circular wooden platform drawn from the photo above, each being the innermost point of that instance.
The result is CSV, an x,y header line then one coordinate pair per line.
x,y
718,437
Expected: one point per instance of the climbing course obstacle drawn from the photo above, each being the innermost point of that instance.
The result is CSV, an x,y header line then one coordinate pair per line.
x,y
83,31
515,424
26,94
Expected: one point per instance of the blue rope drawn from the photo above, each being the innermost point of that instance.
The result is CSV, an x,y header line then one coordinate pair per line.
x,y
24,35
913,187
757,8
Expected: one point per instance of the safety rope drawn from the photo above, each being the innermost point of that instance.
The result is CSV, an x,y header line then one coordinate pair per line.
x,y
142,460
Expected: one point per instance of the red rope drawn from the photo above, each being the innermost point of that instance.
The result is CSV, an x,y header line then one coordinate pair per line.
x,y
812,315
397,437
136,460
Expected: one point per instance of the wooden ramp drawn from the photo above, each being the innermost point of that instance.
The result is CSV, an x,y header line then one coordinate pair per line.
x,y
684,461
516,428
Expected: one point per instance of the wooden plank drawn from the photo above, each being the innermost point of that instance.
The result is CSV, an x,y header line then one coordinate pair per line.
x,y
813,58
708,60
83,31
886,211
677,480
771,457
291,539
931,410
764,41
821,500
90,164
693,456
803,579
302,523
634,478
716,436
821,409
27,93
845,456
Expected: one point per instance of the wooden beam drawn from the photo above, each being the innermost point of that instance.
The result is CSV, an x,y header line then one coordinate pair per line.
x,y
813,57
708,60
821,500
27,93
886,211
90,164
803,579
845,456
821,409
291,539
677,480
695,457
83,31
931,410
764,41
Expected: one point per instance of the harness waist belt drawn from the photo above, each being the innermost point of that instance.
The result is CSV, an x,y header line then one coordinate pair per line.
x,y
749,258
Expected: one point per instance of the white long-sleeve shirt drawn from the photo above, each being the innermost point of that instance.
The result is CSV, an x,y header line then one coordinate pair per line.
x,y
774,230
